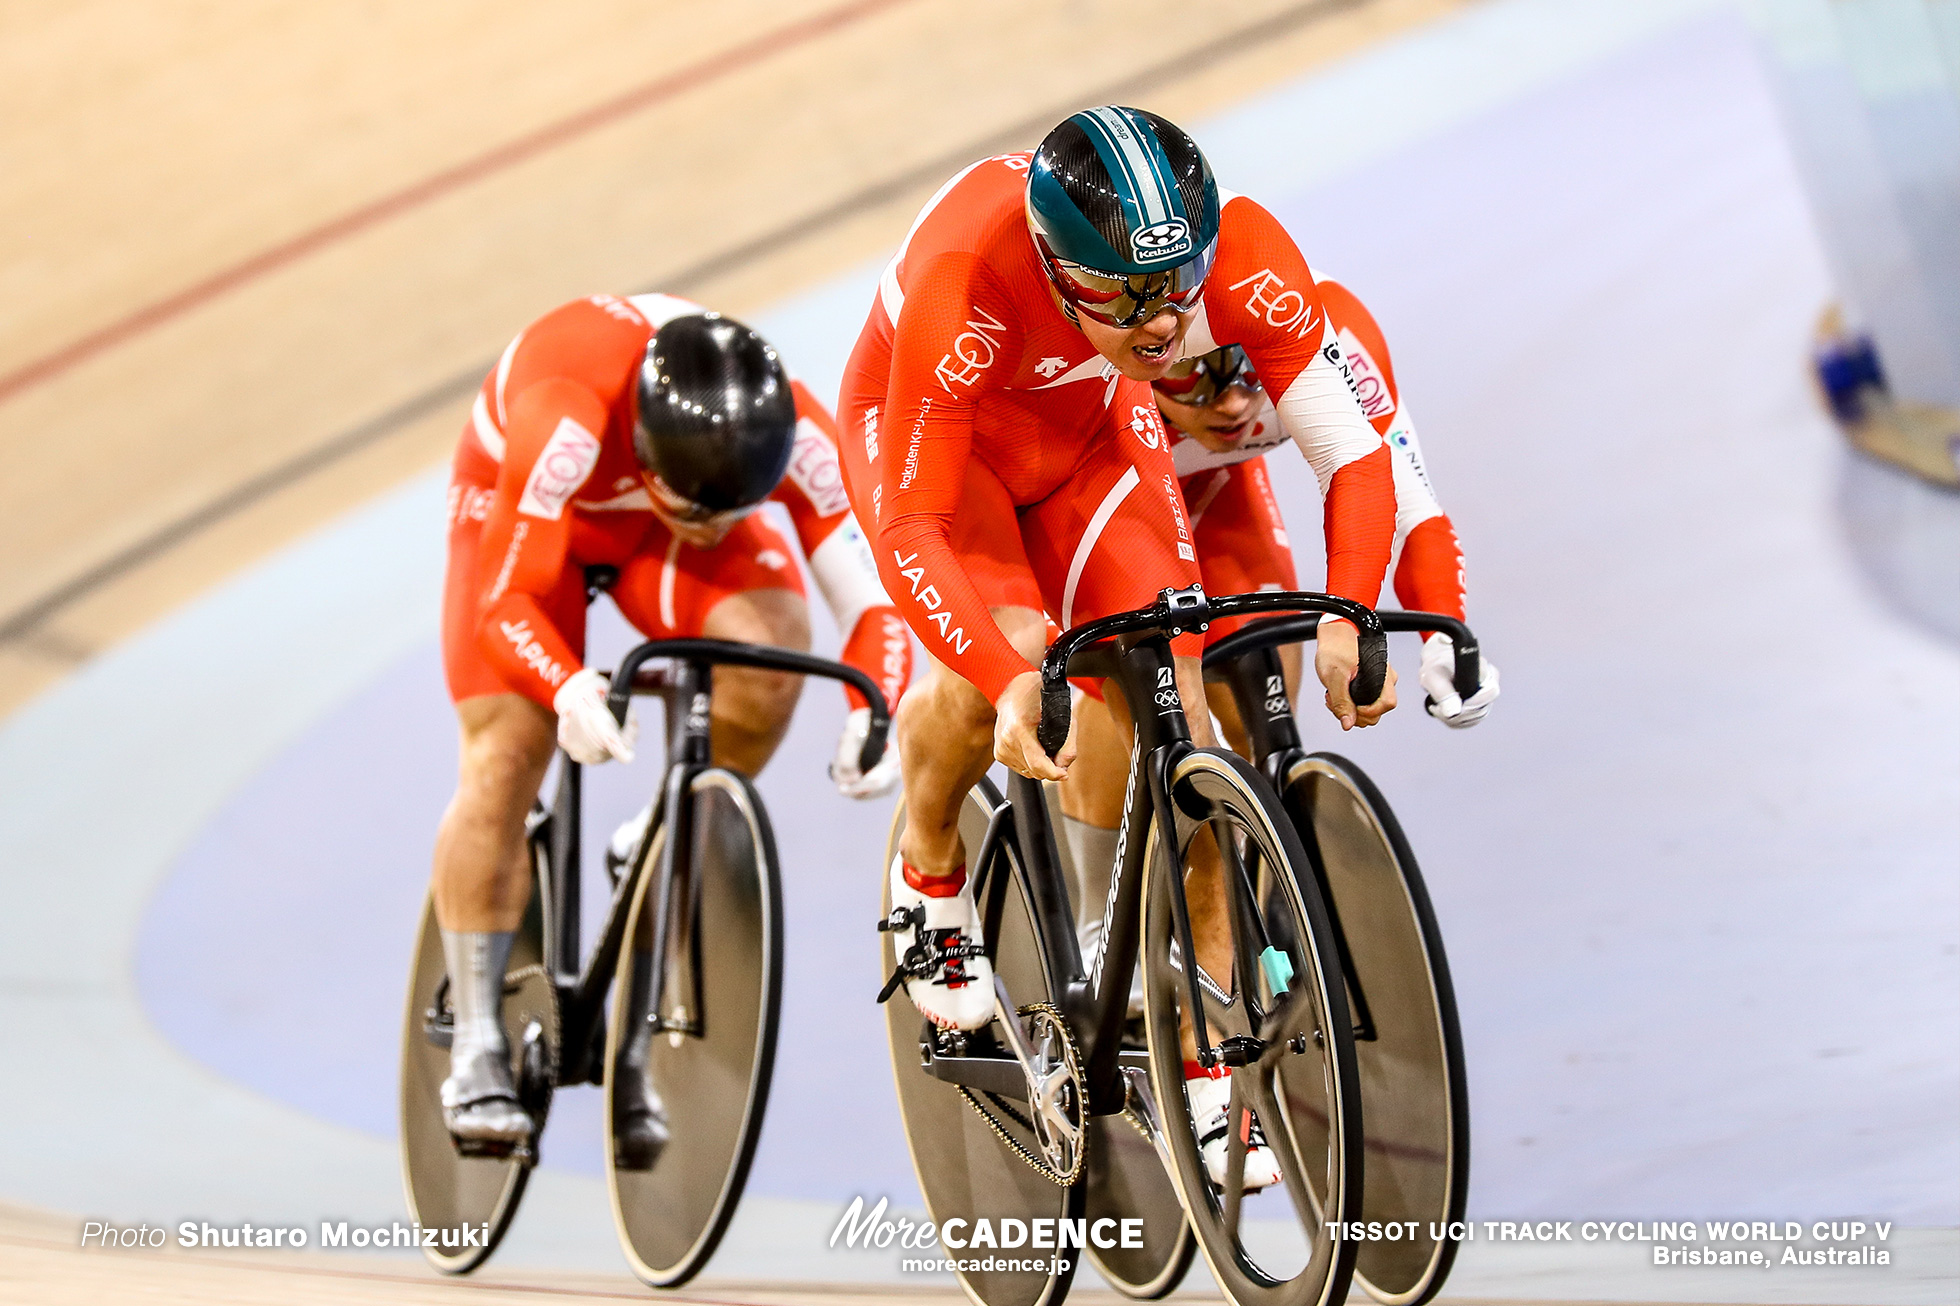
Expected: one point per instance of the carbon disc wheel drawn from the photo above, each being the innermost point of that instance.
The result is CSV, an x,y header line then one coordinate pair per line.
x,y
447,1191
712,1059
1408,1045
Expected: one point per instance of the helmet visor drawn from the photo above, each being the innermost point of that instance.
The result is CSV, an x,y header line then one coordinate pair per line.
x,y
1198,381
1117,300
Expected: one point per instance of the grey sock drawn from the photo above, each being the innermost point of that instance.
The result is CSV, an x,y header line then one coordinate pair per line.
x,y
1092,850
477,961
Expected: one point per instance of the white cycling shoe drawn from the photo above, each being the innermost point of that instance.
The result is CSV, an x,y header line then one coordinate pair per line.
x,y
947,974
1210,1103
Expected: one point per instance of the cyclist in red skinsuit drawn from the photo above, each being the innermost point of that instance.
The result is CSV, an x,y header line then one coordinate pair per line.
x,y
1223,426
551,477
1000,445
522,627
998,373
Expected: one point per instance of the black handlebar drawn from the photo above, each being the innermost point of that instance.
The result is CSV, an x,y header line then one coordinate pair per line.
x,y
1466,678
627,681
1177,611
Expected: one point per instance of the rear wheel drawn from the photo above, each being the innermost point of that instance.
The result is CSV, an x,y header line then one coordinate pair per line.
x,y
1301,1083
711,1055
454,1194
1408,1045
966,1169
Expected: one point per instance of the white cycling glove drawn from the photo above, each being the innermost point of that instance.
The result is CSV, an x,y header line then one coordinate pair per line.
x,y
1438,669
586,729
852,783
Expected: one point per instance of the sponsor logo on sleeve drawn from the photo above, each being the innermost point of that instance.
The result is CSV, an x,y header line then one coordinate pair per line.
x,y
912,449
1271,302
1176,498
813,469
1370,385
1147,426
468,503
871,434
568,458
973,351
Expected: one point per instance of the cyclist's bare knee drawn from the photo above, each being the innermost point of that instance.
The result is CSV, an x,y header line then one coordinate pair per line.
x,y
752,707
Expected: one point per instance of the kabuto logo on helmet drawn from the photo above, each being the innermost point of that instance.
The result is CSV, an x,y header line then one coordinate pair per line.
x,y
1161,240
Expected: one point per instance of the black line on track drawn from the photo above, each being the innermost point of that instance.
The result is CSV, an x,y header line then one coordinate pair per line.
x,y
23,621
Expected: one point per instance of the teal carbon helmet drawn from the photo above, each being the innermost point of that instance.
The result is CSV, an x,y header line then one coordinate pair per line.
x,y
1124,212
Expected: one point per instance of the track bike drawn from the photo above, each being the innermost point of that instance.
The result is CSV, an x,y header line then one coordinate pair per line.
x,y
1001,1121
692,940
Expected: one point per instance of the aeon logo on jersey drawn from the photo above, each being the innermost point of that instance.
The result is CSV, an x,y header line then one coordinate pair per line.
x,y
1160,241
567,460
1287,310
813,469
1370,384
1147,426
974,350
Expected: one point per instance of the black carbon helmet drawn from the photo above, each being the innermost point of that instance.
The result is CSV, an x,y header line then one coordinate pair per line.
x,y
716,416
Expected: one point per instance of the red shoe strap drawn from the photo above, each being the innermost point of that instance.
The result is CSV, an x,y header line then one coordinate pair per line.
x,y
1192,1070
936,886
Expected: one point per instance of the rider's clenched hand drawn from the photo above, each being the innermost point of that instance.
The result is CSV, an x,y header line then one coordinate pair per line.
x,y
586,729
1017,717
851,782
1336,657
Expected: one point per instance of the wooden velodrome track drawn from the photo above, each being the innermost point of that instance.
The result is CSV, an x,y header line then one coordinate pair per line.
x,y
257,255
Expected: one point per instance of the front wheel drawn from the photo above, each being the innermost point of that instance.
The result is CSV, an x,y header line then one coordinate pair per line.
x,y
1300,1081
708,1048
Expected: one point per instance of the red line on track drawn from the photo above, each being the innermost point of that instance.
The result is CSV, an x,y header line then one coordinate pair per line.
x,y
429,188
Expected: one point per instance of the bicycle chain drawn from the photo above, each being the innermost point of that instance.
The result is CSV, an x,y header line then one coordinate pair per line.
x,y
1074,1062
